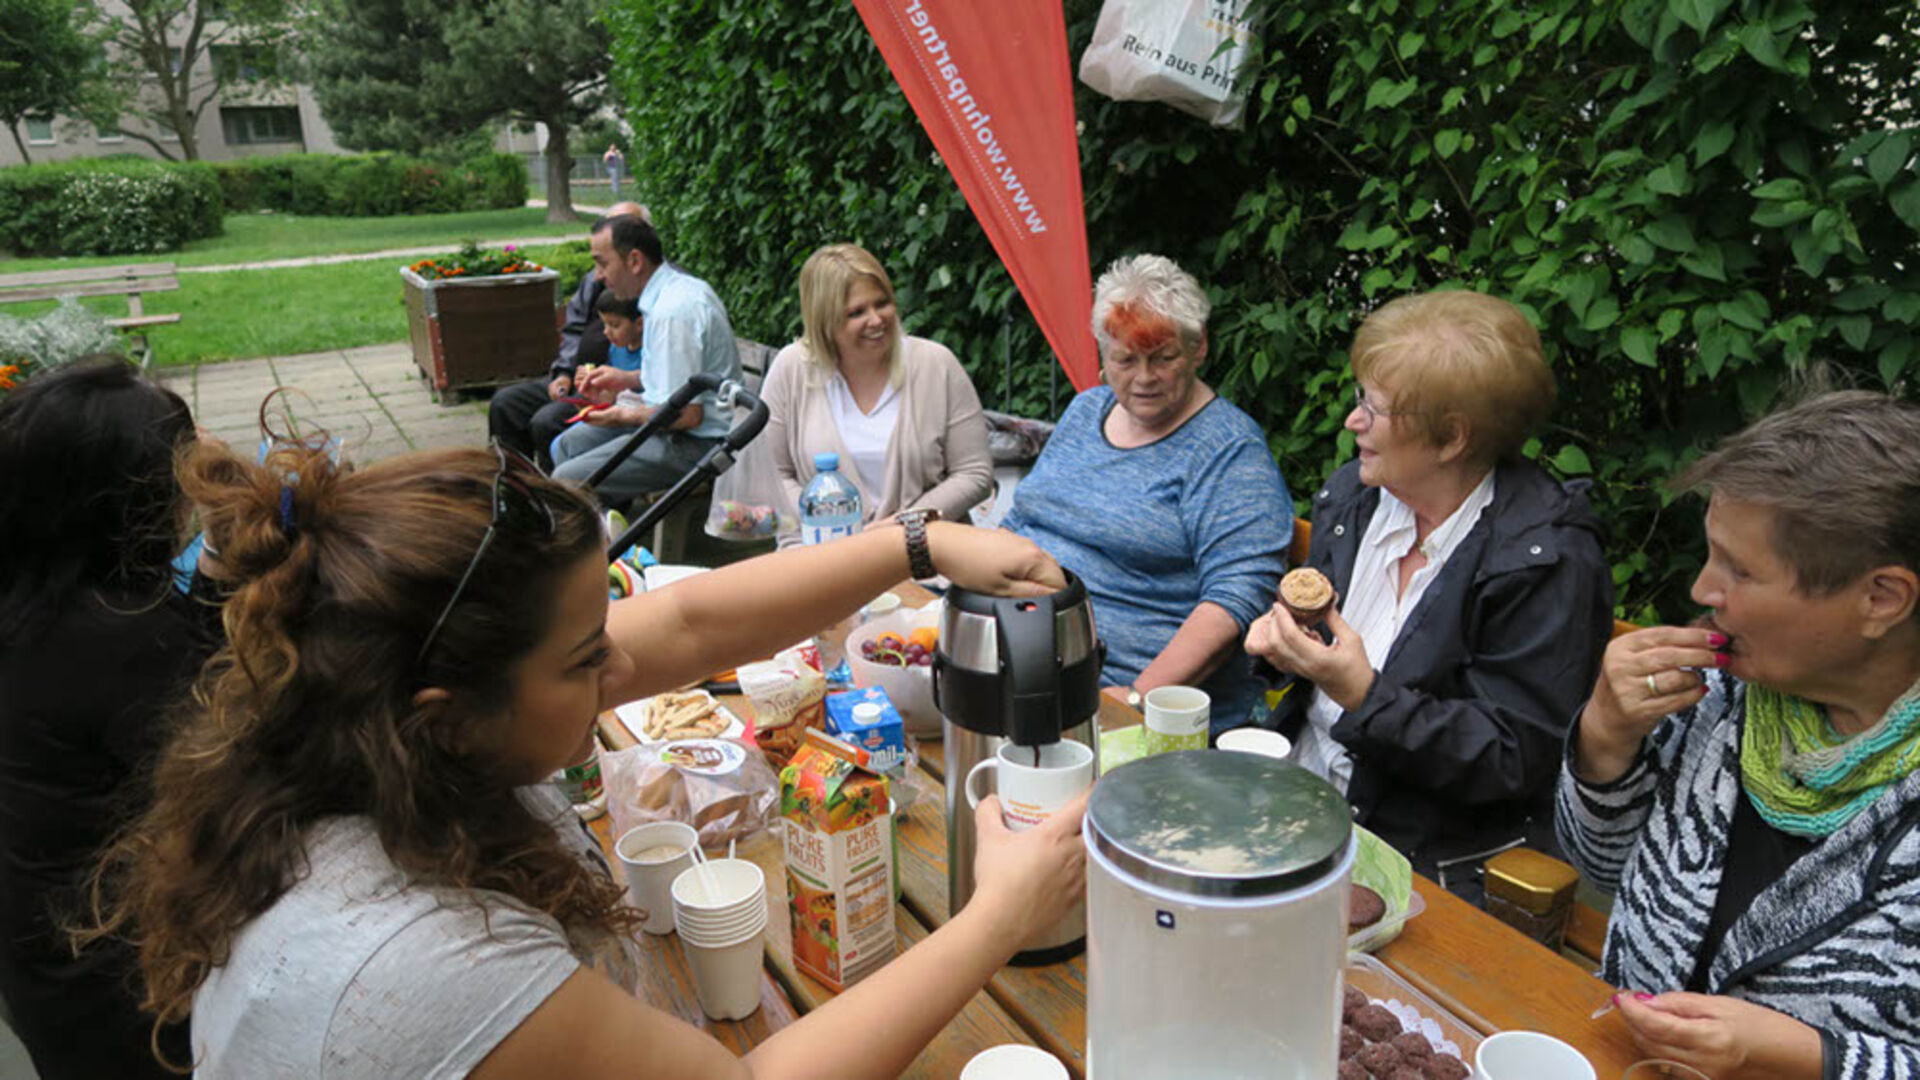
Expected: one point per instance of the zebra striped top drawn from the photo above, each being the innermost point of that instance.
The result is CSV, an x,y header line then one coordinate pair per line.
x,y
1835,943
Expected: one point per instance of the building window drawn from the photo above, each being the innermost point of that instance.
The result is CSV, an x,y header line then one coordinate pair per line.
x,y
104,133
40,130
244,63
273,124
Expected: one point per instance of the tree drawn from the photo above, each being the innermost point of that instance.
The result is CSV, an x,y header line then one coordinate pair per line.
x,y
48,65
166,84
531,61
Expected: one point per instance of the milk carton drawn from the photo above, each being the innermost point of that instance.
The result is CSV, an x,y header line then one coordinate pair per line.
x,y
840,867
877,728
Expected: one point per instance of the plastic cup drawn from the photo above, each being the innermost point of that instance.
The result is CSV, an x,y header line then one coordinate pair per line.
x,y
1253,740
650,879
1662,1070
1014,1061
1529,1055
726,975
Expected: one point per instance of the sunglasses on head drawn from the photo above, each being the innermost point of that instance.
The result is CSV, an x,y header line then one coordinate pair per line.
x,y
516,508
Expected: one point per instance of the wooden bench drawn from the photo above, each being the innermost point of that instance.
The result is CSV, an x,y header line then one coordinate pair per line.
x,y
129,279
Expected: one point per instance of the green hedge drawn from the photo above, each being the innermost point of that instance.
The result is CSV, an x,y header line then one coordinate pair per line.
x,y
113,206
1692,198
372,185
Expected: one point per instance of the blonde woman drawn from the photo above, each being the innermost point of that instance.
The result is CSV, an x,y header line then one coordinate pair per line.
x,y
899,411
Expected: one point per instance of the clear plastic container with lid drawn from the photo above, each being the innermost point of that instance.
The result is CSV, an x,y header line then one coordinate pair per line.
x,y
1216,919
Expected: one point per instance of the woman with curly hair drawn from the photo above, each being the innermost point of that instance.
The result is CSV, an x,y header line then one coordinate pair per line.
x,y
351,866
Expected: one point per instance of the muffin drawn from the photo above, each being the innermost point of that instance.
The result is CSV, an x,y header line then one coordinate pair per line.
x,y
1364,908
1306,594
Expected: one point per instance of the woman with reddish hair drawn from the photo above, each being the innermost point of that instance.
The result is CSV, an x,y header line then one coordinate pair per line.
x,y
1162,496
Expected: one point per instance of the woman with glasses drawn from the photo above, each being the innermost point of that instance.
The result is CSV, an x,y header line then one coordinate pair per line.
x,y
351,867
1162,496
1473,599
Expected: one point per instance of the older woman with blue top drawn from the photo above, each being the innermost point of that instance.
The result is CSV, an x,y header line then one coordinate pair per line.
x,y
1162,496
1749,788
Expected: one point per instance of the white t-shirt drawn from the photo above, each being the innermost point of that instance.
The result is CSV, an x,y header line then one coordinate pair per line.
x,y
1375,607
865,434
355,972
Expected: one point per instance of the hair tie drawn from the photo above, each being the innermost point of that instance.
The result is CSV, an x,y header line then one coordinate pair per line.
x,y
286,512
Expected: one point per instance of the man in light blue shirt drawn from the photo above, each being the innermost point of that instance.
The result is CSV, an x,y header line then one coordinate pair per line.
x,y
685,331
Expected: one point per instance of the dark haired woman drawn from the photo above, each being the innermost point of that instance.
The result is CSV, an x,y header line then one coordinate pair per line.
x,y
350,867
95,644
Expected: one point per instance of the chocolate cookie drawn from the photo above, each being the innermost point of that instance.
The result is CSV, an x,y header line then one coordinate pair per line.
x,y
1352,1070
1350,1042
1379,1058
1413,1045
1376,1024
1445,1067
1351,1002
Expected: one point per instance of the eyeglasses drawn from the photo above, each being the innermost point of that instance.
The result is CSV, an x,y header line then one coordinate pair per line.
x,y
515,507
1360,399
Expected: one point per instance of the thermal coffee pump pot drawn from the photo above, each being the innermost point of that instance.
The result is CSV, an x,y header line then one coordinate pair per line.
x,y
1024,670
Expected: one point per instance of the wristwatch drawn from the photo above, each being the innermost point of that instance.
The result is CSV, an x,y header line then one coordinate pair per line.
x,y
919,558
1135,699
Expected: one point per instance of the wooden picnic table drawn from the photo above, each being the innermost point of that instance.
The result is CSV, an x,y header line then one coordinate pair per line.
x,y
1490,976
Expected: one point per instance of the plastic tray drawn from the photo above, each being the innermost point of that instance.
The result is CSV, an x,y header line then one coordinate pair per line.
x,y
1378,982
634,715
1388,928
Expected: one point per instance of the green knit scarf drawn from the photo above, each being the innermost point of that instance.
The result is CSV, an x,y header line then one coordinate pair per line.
x,y
1809,780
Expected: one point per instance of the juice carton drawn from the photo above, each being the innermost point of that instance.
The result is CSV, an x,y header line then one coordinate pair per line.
x,y
840,864
884,737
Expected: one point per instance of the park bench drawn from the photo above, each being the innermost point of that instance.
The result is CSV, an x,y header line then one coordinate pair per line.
x,y
129,279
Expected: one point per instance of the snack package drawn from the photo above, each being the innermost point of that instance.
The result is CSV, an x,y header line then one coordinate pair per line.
x,y
786,693
840,861
723,788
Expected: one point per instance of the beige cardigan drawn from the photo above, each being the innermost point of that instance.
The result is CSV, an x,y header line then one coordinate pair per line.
x,y
937,456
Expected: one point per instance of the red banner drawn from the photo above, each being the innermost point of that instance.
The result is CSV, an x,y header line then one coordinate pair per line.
x,y
992,84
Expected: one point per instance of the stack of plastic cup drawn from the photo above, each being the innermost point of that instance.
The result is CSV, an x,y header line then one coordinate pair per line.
x,y
720,913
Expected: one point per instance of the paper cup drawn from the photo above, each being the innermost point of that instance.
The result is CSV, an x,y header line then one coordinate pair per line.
x,y
1177,719
650,872
1014,1061
1030,793
1529,1055
727,976
1253,740
720,887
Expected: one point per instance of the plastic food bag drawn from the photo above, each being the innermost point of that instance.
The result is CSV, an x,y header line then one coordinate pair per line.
x,y
1170,51
722,787
788,694
747,501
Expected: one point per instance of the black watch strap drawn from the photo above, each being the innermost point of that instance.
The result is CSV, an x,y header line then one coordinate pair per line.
x,y
919,557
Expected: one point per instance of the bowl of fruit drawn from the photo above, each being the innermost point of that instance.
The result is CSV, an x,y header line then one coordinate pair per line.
x,y
895,653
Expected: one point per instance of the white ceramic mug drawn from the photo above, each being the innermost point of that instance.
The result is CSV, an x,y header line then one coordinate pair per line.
x,y
1014,1061
1529,1055
1253,740
1032,790
1177,718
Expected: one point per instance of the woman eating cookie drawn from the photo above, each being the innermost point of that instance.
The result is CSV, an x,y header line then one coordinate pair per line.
x,y
1472,599
1748,789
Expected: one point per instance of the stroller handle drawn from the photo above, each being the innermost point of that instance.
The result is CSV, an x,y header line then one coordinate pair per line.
x,y
717,460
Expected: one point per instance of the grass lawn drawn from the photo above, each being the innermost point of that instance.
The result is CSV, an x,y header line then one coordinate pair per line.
x,y
284,312
260,237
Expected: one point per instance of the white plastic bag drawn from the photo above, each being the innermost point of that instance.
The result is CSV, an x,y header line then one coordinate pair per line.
x,y
1170,51
747,498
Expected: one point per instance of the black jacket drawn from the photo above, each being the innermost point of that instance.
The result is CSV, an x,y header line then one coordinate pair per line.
x,y
583,340
1457,746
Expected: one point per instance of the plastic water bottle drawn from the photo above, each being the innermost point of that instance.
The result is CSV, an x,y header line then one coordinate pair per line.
x,y
830,507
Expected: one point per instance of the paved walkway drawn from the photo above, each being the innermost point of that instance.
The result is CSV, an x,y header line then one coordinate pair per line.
x,y
373,399
359,256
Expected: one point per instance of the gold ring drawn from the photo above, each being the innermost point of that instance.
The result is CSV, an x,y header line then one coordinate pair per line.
x,y
1653,688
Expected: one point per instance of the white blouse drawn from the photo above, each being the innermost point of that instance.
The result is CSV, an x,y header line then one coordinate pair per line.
x,y
865,434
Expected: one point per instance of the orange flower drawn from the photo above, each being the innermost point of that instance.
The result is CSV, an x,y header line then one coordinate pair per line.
x,y
7,373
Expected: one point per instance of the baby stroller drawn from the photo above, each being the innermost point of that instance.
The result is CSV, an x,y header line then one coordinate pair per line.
x,y
733,395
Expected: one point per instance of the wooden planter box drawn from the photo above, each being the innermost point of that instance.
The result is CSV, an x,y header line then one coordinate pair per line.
x,y
483,331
